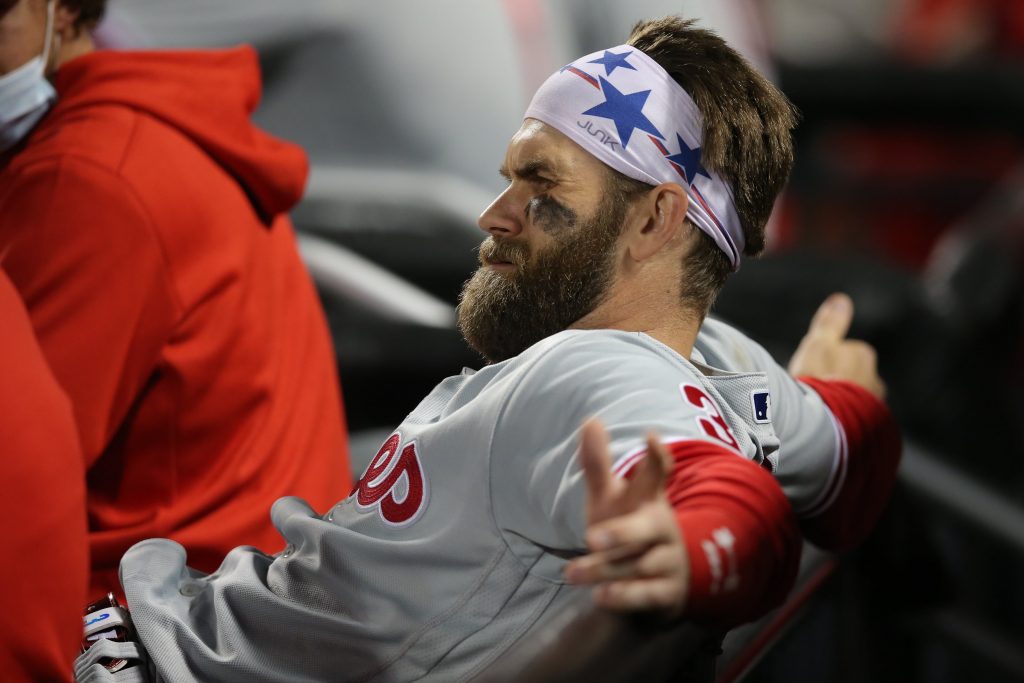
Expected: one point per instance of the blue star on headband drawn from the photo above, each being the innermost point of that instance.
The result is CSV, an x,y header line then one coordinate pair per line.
x,y
689,160
613,61
626,110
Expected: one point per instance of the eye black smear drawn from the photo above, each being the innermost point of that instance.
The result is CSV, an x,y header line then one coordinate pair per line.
x,y
550,215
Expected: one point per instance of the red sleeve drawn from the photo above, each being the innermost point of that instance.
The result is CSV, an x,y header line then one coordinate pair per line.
x,y
869,453
45,567
83,255
740,533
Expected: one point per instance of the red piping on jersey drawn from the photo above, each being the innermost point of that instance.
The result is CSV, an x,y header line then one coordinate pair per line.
x,y
625,465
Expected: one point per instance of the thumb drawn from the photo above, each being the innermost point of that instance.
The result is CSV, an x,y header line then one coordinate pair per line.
x,y
594,459
832,319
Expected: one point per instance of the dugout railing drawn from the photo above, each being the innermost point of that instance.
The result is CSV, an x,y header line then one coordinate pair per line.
x,y
586,643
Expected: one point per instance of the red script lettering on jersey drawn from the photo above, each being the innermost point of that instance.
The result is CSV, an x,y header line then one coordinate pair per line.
x,y
711,422
376,488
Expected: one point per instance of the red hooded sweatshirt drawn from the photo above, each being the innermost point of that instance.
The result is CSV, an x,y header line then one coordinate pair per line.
x,y
142,223
46,564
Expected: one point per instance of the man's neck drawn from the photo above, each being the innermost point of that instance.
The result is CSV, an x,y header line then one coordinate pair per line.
x,y
656,314
81,44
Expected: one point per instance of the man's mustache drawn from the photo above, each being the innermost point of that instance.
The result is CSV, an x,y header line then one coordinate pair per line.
x,y
494,250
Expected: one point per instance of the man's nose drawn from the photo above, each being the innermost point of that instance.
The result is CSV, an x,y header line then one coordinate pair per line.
x,y
501,218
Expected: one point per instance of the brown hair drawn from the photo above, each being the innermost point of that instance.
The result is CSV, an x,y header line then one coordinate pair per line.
x,y
746,139
90,12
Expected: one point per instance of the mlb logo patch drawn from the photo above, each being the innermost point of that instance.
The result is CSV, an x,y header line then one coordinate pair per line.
x,y
761,402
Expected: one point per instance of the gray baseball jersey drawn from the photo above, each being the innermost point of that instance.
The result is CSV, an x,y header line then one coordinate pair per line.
x,y
453,543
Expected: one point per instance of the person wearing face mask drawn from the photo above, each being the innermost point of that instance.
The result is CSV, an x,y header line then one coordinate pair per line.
x,y
143,222
25,92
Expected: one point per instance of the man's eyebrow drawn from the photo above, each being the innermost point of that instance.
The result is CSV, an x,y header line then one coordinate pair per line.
x,y
530,170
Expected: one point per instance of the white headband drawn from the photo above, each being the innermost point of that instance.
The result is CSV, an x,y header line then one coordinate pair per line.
x,y
623,108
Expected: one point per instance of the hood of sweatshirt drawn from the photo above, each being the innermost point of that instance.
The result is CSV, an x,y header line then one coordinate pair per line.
x,y
207,95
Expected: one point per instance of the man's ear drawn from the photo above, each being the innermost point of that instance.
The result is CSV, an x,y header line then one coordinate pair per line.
x,y
655,220
64,19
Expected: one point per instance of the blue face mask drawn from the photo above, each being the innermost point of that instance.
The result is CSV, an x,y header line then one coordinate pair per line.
x,y
25,93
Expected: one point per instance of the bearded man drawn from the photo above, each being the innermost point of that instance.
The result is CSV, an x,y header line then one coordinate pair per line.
x,y
640,176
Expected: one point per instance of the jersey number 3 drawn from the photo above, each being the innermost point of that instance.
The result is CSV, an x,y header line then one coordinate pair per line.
x,y
710,421
380,485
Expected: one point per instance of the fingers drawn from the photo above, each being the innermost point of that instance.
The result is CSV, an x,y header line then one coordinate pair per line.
x,y
862,351
862,363
648,478
104,649
880,389
595,460
858,362
832,319
637,559
644,527
628,578
624,562
667,594
624,538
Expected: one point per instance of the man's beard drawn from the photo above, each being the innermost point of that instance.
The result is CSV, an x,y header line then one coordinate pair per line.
x,y
502,315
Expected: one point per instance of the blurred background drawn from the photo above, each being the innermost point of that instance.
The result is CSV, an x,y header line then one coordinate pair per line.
x,y
908,194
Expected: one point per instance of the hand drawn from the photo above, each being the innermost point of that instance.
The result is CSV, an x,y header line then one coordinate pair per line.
x,y
825,351
638,560
89,665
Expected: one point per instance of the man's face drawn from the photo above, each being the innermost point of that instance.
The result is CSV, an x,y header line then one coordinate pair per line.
x,y
551,255
22,32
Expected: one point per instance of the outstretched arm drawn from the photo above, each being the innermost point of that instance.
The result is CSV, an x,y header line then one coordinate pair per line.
x,y
695,531
844,373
